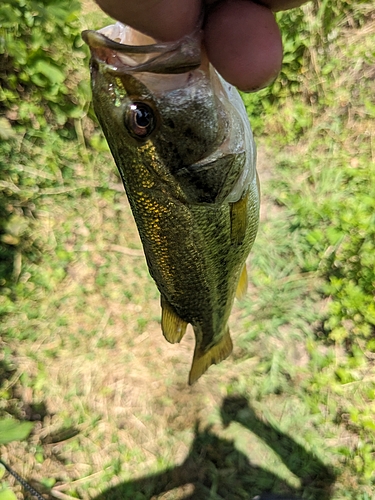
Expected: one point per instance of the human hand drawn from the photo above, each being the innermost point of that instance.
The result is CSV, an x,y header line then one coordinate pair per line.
x,y
241,37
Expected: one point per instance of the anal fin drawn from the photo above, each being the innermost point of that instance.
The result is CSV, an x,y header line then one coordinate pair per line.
x,y
173,326
242,284
203,360
238,219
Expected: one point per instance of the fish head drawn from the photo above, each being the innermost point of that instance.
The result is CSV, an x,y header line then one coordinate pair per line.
x,y
155,93
167,114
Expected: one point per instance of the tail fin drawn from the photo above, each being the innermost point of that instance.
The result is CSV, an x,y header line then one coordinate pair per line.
x,y
203,360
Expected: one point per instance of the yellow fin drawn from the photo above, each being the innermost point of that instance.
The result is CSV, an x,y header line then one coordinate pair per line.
x,y
258,183
203,360
242,284
238,219
173,326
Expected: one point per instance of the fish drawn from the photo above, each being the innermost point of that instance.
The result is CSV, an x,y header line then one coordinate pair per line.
x,y
181,139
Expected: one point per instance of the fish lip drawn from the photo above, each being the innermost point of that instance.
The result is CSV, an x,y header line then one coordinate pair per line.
x,y
180,56
95,39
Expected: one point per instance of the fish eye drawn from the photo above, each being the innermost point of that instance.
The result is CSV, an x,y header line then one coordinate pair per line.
x,y
140,120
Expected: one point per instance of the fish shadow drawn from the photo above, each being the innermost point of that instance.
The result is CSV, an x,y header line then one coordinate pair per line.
x,y
214,469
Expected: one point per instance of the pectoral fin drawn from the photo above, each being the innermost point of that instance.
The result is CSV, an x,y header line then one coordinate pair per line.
x,y
242,284
173,326
238,219
203,360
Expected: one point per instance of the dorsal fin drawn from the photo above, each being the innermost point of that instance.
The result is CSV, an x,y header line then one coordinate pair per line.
x,y
242,284
238,219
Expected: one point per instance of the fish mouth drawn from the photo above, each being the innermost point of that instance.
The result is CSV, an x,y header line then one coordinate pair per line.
x,y
124,50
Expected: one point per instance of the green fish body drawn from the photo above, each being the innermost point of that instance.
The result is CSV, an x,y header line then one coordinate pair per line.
x,y
183,145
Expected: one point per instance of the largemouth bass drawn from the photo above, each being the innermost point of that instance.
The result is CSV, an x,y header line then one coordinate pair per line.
x,y
182,141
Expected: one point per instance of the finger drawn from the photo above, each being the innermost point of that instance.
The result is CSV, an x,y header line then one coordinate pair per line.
x,y
162,19
277,5
243,42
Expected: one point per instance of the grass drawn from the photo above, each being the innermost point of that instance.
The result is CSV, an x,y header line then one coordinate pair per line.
x,y
83,358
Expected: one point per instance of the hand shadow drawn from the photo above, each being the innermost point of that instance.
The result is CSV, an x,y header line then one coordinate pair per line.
x,y
216,470
316,478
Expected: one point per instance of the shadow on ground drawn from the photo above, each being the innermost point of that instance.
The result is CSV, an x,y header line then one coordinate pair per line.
x,y
215,469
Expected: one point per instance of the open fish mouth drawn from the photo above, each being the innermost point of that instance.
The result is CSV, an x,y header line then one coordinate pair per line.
x,y
124,49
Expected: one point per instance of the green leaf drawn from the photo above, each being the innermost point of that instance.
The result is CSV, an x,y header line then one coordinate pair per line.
x,y
7,495
49,71
13,430
6,131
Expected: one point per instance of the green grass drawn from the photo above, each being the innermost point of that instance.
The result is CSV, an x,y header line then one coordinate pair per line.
x,y
81,351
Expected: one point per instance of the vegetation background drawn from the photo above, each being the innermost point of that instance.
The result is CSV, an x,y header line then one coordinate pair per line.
x,y
94,403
